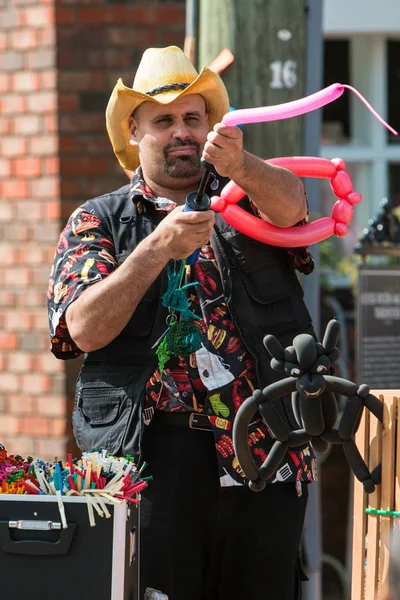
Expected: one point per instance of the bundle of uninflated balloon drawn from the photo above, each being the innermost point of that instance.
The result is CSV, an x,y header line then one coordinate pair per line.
x,y
98,476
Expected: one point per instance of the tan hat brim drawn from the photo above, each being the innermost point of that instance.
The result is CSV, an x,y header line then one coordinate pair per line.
x,y
123,101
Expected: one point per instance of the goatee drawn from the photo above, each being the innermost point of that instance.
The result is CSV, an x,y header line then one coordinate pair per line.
x,y
182,166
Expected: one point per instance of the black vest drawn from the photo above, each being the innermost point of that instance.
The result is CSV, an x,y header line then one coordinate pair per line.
x,y
259,282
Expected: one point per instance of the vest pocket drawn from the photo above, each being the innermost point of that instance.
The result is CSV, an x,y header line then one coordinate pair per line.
x,y
266,272
100,417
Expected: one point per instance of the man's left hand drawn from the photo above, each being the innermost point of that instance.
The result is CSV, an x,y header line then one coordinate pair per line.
x,y
224,150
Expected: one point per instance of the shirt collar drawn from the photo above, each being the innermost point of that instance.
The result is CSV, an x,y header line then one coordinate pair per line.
x,y
139,191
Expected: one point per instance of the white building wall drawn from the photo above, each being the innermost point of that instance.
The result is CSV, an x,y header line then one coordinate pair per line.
x,y
350,17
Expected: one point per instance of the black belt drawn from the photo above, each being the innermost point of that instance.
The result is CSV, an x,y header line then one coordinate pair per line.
x,y
192,420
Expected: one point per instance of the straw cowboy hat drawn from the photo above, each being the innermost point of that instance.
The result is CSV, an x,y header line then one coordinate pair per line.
x,y
163,75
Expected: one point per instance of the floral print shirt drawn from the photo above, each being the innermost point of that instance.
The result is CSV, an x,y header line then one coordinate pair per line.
x,y
217,378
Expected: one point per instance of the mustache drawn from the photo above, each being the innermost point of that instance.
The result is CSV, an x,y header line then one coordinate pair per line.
x,y
179,143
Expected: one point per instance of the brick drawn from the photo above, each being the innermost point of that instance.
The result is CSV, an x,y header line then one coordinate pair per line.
x,y
46,232
47,36
28,210
27,125
132,36
40,319
168,37
34,298
48,363
58,427
23,445
51,406
9,382
26,81
24,2
6,82
17,277
53,211
32,254
100,15
6,127
51,166
82,80
68,102
41,102
22,39
9,18
33,341
27,167
6,211
14,189
7,299
50,123
9,424
19,362
41,276
48,254
12,146
12,104
11,61
139,15
65,15
45,187
68,144
15,232
8,341
18,321
49,448
9,254
83,166
169,15
34,426
48,79
68,189
41,58
5,167
35,384
38,16
20,405
70,123
43,145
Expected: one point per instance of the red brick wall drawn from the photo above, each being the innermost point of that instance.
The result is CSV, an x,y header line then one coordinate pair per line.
x,y
59,60
32,398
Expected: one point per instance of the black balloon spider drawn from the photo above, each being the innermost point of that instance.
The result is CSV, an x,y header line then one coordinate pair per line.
x,y
306,364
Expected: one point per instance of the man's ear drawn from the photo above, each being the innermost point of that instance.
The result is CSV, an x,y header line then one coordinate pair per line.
x,y
133,131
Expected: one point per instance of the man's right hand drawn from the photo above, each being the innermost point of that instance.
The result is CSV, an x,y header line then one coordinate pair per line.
x,y
180,233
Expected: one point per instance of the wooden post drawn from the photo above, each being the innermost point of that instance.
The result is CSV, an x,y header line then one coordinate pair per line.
x,y
359,524
268,40
374,501
371,560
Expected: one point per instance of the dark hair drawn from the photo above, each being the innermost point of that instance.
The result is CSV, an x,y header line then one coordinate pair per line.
x,y
170,87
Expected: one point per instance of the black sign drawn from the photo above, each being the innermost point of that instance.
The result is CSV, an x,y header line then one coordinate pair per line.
x,y
379,328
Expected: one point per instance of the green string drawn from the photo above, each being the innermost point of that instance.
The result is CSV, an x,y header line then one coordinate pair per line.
x,y
379,511
175,298
182,337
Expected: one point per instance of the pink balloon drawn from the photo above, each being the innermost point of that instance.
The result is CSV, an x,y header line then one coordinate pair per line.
x,y
296,108
303,235
284,111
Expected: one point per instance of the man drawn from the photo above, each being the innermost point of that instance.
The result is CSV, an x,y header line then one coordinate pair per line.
x,y
120,292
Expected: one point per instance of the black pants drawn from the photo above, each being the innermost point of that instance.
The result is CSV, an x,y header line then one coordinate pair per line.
x,y
203,542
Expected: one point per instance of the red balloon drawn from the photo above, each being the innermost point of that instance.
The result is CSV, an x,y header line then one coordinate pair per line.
x,y
302,235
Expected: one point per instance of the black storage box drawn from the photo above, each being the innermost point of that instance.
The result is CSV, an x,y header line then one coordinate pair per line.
x,y
39,560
